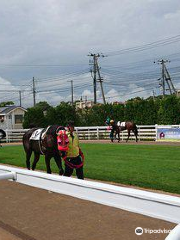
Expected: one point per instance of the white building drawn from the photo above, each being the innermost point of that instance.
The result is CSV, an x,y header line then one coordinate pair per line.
x,y
11,117
84,104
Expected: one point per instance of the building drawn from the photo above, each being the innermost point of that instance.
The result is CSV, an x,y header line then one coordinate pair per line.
x,y
11,117
178,93
118,103
84,104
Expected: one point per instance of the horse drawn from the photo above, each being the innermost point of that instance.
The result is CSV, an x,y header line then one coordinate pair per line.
x,y
2,135
119,127
45,142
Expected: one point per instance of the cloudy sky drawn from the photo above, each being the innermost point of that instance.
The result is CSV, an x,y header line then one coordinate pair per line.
x,y
50,40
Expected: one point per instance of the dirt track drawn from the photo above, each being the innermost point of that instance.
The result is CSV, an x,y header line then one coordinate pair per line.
x,y
29,213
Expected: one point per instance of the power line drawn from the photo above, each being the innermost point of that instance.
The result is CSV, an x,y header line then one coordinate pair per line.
x,y
147,46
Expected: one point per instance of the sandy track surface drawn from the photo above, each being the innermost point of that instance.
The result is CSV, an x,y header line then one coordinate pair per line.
x,y
29,213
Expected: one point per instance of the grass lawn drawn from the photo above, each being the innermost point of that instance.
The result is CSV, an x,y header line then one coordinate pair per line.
x,y
149,166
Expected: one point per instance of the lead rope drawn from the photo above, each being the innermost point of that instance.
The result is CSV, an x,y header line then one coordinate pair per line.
x,y
71,165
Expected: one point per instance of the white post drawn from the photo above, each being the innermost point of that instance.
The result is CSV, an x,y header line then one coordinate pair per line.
x,y
9,175
156,126
7,136
174,234
97,133
89,137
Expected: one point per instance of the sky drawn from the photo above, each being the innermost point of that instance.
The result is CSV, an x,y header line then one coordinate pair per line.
x,y
50,40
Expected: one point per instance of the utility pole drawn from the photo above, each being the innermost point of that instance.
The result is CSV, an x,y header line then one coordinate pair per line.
x,y
20,98
169,82
72,92
166,79
101,81
153,95
95,71
34,93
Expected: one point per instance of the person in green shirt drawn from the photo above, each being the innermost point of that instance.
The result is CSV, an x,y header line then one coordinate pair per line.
x,y
74,156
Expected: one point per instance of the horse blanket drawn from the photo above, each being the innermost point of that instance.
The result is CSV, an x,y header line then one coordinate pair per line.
x,y
121,124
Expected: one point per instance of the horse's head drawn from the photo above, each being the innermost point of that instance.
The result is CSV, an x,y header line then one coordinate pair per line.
x,y
62,141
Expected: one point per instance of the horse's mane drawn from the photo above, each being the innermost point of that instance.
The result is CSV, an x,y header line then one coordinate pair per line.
x,y
53,129
32,125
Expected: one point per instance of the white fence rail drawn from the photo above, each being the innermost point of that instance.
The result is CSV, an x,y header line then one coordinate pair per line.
x,y
151,204
145,132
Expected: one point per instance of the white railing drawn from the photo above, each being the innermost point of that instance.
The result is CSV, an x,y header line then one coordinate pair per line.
x,y
145,132
174,234
148,203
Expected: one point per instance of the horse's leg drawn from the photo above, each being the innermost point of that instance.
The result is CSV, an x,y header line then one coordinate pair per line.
x,y
59,164
28,156
47,160
118,133
128,135
36,159
135,134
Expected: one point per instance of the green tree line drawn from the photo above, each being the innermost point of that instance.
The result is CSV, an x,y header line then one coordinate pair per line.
x,y
141,111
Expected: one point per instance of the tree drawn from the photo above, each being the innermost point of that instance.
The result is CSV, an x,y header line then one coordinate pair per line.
x,y
64,113
44,106
169,110
34,117
4,104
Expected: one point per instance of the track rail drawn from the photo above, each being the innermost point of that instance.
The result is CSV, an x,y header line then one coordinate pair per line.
x,y
151,204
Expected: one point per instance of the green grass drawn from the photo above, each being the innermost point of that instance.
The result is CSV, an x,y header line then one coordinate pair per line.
x,y
149,166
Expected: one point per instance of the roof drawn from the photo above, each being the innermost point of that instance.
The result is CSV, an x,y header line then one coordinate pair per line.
x,y
8,109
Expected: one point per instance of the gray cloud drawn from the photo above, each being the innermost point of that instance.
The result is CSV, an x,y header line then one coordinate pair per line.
x,y
64,31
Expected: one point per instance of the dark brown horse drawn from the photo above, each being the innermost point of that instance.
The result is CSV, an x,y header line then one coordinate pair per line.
x,y
46,145
117,128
